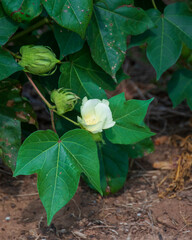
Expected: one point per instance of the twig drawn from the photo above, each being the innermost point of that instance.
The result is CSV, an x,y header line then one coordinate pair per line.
x,y
77,208
52,120
26,195
5,172
101,226
38,92
138,90
30,29
12,53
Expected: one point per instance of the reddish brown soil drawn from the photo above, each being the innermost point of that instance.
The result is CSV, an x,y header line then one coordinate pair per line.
x,y
136,212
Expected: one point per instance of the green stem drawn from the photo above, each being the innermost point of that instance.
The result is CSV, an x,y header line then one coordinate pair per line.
x,y
12,53
30,29
38,92
154,4
68,119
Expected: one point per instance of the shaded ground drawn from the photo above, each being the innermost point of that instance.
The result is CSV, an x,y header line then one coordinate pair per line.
x,y
136,212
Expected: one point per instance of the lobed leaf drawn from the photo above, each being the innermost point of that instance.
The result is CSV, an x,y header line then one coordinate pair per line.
x,y
129,116
165,40
108,30
164,45
59,163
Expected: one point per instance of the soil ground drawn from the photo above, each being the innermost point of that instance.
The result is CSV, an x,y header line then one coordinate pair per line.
x,y
136,212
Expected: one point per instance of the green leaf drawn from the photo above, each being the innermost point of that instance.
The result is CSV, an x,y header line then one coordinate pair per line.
x,y
116,3
129,116
8,64
22,10
13,105
180,17
164,47
69,42
139,149
10,140
7,27
121,75
71,14
59,164
114,166
108,30
140,39
165,41
180,87
84,77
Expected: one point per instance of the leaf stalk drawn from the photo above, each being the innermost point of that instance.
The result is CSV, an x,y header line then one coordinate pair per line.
x,y
70,120
51,108
154,4
30,29
12,53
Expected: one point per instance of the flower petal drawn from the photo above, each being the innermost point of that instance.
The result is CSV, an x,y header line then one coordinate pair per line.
x,y
108,124
88,108
106,102
84,100
96,115
80,120
98,127
103,113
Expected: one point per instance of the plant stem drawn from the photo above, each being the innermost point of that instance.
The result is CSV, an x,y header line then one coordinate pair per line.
x,y
38,92
154,4
12,53
70,120
51,108
52,120
30,29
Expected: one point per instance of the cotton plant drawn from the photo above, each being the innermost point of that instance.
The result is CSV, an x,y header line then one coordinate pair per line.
x,y
70,65
59,161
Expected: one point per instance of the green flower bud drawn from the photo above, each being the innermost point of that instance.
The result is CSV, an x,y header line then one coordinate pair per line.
x,y
38,60
64,101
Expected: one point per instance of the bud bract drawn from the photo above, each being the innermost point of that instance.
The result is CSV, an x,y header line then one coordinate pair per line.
x,y
65,101
38,60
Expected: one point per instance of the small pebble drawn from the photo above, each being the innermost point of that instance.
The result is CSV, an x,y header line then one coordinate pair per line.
x,y
7,218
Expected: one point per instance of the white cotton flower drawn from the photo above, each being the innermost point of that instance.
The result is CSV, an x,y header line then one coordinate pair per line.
x,y
96,115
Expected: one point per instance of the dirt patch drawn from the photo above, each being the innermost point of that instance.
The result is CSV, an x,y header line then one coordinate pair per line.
x,y
136,212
